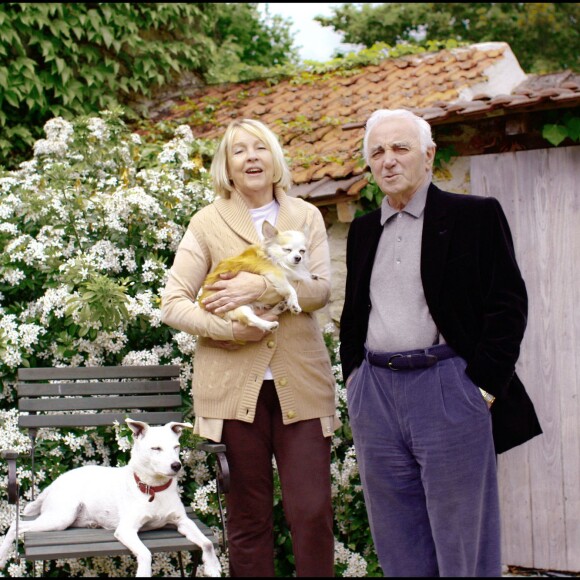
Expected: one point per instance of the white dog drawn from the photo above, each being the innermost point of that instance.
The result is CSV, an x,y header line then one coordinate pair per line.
x,y
280,258
140,496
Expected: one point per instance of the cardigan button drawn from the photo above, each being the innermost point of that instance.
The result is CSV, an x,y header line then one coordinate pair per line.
x,y
271,344
291,414
283,382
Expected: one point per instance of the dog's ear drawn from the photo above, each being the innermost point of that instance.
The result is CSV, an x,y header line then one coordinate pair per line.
x,y
268,230
177,428
139,428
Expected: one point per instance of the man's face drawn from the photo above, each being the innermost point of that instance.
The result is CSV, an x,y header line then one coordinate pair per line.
x,y
396,160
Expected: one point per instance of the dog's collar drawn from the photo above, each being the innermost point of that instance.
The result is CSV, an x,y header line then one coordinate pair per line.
x,y
150,490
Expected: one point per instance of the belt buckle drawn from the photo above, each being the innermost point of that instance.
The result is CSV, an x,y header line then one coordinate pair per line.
x,y
431,359
389,364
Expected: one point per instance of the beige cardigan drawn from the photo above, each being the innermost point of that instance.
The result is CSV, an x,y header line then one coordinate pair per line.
x,y
226,383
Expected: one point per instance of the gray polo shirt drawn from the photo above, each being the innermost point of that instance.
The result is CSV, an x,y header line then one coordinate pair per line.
x,y
399,319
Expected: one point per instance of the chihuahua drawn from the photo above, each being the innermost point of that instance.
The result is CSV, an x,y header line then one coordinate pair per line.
x,y
280,258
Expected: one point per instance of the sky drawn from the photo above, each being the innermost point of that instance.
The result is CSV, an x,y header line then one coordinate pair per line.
x,y
316,42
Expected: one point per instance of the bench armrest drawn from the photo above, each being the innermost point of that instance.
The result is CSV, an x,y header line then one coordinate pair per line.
x,y
11,457
223,472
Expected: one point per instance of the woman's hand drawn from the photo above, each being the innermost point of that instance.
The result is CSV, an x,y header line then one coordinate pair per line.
x,y
251,333
234,290
244,333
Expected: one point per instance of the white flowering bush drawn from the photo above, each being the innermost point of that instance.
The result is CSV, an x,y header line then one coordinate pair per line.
x,y
88,229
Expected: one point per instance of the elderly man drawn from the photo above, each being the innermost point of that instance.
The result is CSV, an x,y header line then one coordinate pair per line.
x,y
434,314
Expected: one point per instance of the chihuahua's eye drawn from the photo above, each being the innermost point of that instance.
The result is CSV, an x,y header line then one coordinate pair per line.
x,y
303,252
287,250
155,448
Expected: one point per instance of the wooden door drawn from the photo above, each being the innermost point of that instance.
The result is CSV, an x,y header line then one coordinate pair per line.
x,y
540,480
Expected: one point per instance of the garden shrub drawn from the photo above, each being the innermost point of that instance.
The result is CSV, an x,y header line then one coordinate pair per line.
x,y
88,230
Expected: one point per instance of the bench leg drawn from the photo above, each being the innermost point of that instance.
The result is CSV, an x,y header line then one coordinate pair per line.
x,y
195,559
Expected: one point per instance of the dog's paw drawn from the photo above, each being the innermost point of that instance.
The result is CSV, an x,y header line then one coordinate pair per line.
x,y
272,326
295,308
211,569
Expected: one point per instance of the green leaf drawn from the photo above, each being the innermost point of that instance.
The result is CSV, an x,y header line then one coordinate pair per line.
x,y
79,32
573,128
554,134
60,64
12,98
107,36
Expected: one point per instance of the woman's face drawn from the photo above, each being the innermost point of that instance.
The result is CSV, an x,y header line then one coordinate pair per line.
x,y
251,168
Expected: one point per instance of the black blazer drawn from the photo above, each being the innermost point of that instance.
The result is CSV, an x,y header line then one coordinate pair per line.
x,y
475,294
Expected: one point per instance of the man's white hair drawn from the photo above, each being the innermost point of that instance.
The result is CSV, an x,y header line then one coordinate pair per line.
x,y
425,136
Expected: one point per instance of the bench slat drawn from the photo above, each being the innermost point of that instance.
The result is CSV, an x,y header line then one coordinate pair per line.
x,y
99,403
85,542
113,372
97,419
72,536
109,388
95,535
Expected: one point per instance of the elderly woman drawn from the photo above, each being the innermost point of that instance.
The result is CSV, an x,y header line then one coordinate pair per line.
x,y
273,395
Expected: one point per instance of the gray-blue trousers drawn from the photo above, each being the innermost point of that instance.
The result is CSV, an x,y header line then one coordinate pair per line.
x,y
425,451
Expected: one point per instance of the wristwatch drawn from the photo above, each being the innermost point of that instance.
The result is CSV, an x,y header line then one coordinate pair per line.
x,y
489,398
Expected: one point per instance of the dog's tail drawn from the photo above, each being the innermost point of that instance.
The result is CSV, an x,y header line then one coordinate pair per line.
x,y
7,544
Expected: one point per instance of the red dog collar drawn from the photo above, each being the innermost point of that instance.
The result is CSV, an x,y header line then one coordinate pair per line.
x,y
150,490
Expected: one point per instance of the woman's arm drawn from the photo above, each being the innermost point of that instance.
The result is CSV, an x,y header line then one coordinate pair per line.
x,y
179,308
181,311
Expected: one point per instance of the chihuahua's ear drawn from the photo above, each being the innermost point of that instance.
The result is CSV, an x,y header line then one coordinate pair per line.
x,y
268,230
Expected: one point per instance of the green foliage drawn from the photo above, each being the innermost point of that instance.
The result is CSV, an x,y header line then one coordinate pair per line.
x,y
568,126
249,43
543,36
62,59
444,155
99,299
371,196
67,59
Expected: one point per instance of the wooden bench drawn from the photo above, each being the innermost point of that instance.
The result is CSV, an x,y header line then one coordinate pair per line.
x,y
72,397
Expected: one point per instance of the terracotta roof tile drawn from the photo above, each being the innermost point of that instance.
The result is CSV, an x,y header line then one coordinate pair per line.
x,y
309,116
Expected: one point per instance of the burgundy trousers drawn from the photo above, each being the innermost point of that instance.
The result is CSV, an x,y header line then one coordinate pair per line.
x,y
302,456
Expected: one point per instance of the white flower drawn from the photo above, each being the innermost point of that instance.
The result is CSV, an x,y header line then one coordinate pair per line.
x,y
58,129
201,500
186,342
58,133
98,128
13,276
184,132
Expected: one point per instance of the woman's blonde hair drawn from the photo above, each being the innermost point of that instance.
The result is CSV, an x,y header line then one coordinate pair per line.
x,y
219,167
